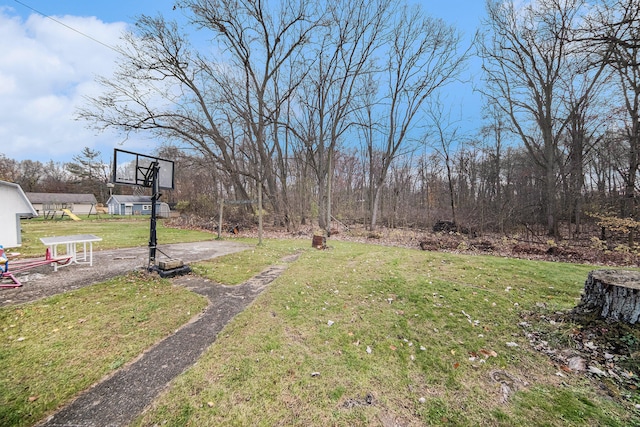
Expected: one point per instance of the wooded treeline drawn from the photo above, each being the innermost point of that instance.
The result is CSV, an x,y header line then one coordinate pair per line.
x,y
340,111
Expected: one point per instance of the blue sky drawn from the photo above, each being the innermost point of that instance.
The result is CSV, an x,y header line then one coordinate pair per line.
x,y
46,70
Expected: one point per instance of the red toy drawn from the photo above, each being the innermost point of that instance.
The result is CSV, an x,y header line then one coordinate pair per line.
x,y
23,265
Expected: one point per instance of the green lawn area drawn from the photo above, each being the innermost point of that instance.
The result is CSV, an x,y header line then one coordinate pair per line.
x,y
369,335
52,349
115,233
356,335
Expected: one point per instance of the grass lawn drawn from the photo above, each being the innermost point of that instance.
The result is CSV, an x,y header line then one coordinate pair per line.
x,y
115,233
369,335
356,335
52,349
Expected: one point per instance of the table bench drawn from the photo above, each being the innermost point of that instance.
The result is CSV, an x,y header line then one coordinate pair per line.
x,y
72,247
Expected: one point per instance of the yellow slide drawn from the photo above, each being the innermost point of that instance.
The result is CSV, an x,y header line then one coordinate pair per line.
x,y
71,215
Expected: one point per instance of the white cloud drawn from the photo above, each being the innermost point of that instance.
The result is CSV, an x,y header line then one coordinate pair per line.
x,y
46,70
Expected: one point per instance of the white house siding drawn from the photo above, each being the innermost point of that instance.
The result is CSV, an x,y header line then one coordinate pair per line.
x,y
13,205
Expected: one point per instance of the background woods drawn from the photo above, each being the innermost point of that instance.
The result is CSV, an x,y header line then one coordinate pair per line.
x,y
336,113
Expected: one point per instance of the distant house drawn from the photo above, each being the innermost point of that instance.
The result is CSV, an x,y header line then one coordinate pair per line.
x,y
135,205
14,206
79,204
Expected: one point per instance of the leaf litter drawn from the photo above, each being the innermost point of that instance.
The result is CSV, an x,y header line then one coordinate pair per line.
x,y
606,352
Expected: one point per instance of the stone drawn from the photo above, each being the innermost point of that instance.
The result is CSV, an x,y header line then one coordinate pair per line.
x,y
170,264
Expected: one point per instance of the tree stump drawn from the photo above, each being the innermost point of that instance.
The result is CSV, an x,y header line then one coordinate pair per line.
x,y
612,294
319,242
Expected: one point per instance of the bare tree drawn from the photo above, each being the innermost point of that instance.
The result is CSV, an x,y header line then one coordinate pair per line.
x,y
220,104
30,174
444,135
527,56
612,32
422,56
620,29
161,88
8,169
260,39
493,134
56,179
343,64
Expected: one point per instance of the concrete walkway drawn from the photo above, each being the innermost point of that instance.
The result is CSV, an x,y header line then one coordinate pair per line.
x,y
120,398
43,281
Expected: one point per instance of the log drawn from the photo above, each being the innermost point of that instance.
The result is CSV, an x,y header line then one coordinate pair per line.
x,y
612,294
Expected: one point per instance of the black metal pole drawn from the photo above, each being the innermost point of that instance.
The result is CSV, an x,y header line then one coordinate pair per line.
x,y
155,195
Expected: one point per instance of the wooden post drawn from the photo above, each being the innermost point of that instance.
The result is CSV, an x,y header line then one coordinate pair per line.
x,y
612,294
220,217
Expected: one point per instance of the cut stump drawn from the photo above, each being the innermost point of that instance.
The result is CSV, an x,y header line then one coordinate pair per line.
x,y
612,294
319,242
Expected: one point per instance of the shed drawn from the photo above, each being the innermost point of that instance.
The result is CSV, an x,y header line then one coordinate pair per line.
x,y
79,204
135,205
13,206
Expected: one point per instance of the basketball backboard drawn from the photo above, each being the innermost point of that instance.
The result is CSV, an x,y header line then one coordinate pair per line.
x,y
136,169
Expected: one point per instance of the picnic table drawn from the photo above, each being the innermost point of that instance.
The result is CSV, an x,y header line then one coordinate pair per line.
x,y
72,243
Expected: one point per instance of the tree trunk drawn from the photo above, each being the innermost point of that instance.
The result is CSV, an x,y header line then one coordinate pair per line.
x,y
375,206
612,294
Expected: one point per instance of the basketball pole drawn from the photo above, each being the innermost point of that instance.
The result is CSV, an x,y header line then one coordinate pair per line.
x,y
155,195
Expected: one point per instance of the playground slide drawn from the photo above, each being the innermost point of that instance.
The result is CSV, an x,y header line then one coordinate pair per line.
x,y
71,215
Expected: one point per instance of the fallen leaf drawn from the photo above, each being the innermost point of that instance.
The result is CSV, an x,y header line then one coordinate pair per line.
x,y
33,398
456,365
393,347
488,353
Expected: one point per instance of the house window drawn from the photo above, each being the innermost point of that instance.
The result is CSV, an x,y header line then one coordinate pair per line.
x,y
146,207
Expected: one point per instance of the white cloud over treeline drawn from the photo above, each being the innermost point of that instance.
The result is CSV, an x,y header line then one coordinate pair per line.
x,y
46,70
